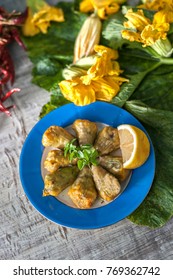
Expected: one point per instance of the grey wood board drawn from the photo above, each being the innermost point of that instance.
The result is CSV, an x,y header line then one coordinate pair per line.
x,y
25,233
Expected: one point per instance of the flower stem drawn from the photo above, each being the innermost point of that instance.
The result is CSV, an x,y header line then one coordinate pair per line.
x,y
167,61
155,66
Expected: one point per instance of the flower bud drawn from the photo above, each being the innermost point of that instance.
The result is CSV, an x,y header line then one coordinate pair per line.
x,y
88,37
71,71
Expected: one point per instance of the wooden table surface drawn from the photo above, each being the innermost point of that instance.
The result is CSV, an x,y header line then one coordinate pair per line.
x,y
24,232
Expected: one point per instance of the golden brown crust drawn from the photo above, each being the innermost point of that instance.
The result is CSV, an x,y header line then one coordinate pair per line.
x,y
107,140
83,192
56,159
114,165
107,185
56,182
56,136
86,131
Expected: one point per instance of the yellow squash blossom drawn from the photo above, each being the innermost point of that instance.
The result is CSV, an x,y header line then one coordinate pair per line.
x,y
100,82
40,21
75,91
143,30
164,8
156,4
103,8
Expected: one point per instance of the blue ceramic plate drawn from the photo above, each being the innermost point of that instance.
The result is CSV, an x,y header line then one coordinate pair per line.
x,y
54,210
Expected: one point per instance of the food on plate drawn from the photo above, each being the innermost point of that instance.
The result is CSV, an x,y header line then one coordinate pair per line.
x,y
87,162
134,145
56,137
57,181
107,140
83,191
86,131
114,164
107,185
56,159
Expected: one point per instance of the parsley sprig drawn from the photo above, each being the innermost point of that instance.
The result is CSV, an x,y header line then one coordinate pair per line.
x,y
86,154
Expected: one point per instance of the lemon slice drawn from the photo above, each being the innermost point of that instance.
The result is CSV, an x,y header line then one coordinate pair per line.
x,y
134,145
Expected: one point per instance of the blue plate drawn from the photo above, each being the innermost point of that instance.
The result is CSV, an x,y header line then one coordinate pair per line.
x,y
54,210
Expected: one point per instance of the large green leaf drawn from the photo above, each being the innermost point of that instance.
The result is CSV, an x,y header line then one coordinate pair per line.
x,y
156,89
111,31
47,72
157,208
136,65
56,100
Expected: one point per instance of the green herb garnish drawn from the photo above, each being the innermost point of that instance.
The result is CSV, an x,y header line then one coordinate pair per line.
x,y
86,154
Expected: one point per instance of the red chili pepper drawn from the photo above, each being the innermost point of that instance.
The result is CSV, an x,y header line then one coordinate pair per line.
x,y
7,67
5,97
16,37
9,32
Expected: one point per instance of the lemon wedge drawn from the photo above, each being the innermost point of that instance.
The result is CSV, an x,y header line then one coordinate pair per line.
x,y
134,145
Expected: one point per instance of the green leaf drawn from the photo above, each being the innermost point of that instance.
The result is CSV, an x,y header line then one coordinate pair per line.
x,y
35,4
127,89
157,208
72,155
56,100
156,89
87,155
86,146
81,164
138,66
76,4
80,154
111,31
46,109
46,73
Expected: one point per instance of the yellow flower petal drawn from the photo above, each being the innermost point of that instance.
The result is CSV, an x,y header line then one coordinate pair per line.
x,y
131,35
108,87
54,14
101,13
43,25
112,9
103,8
86,6
103,64
76,92
150,35
104,89
29,28
137,20
163,16
113,54
43,10
104,3
40,21
156,4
